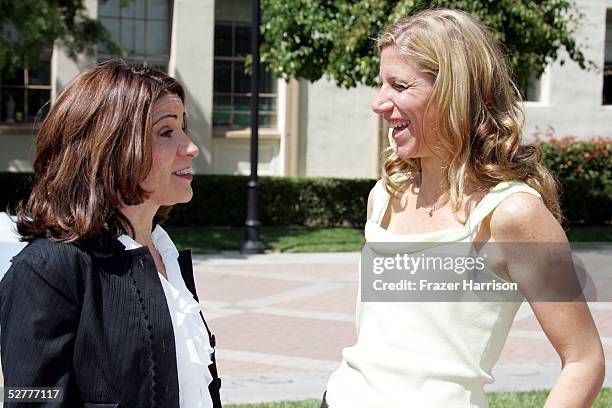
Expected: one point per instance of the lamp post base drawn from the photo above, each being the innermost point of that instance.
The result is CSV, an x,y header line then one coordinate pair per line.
x,y
252,247
252,242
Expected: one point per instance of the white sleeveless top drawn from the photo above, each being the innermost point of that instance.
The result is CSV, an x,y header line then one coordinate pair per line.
x,y
424,354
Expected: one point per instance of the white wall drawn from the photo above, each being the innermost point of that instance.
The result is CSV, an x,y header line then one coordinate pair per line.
x,y
339,136
232,156
571,97
17,151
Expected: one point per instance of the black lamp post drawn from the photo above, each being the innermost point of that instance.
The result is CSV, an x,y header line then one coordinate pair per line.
x,y
252,243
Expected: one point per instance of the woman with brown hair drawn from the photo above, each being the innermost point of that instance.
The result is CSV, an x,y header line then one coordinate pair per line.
x,y
456,172
100,303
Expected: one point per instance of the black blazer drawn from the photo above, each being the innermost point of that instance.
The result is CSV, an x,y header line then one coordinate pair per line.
x,y
92,318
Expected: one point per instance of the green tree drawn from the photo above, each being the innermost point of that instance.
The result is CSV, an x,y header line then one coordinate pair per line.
x,y
29,28
334,38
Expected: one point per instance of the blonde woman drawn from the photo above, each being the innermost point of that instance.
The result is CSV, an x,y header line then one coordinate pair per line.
x,y
457,172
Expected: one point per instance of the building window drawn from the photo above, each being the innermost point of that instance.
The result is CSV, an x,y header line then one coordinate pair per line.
x,y
607,79
142,28
231,86
25,93
532,93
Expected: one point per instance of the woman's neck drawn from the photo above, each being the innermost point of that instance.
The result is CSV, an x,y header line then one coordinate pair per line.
x,y
141,217
430,180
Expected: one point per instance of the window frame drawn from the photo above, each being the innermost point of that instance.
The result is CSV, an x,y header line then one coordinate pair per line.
x,y
143,58
25,88
232,128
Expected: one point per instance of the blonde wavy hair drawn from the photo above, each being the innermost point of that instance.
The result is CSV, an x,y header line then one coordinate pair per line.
x,y
477,106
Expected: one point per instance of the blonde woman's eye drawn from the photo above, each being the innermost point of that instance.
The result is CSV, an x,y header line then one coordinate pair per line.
x,y
166,133
399,86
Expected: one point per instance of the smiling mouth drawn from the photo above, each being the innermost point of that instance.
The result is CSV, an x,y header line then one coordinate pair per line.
x,y
398,123
398,127
181,172
186,174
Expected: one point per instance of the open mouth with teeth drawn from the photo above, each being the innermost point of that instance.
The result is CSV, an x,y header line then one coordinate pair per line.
x,y
398,127
186,174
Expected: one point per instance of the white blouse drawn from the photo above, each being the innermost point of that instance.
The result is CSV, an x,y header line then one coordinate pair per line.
x,y
193,348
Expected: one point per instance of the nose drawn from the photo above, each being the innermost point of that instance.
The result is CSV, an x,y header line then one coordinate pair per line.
x,y
188,148
382,104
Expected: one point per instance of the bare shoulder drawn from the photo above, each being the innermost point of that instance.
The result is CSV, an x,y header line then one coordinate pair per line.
x,y
523,217
371,202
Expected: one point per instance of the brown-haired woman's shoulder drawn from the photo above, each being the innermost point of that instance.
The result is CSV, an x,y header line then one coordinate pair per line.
x,y
40,310
45,265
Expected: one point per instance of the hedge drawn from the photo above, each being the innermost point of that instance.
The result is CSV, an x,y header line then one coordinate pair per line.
x,y
221,200
585,172
583,168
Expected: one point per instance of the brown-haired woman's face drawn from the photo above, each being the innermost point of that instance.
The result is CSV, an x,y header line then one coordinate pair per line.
x,y
168,181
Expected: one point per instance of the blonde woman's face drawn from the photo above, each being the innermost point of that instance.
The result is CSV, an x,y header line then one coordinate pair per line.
x,y
401,100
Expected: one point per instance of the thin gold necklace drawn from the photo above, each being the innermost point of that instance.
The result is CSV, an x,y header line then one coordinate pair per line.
x,y
434,206
432,209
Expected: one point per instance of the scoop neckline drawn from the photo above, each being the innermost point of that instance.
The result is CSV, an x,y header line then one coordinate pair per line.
x,y
420,234
445,230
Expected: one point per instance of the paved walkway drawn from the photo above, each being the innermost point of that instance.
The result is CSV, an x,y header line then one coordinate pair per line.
x,y
282,320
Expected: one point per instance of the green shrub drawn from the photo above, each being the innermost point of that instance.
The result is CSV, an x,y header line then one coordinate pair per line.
x,y
585,172
221,200
583,168
15,187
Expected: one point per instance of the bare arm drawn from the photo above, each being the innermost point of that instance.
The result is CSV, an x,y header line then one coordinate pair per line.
x,y
370,203
568,325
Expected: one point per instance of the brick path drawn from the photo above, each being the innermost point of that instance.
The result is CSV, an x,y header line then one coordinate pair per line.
x,y
282,320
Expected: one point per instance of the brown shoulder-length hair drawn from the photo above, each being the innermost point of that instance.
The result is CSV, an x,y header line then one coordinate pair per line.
x,y
92,152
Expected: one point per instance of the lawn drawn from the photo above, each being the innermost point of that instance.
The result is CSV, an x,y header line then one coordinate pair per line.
x,y
294,238
537,399
533,399
291,238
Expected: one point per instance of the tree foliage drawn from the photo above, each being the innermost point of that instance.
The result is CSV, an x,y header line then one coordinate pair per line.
x,y
334,38
29,28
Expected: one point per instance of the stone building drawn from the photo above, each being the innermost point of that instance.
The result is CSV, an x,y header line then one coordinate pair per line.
x,y
308,129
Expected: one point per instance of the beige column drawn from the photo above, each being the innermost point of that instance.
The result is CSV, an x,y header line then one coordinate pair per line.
x,y
191,62
64,68
292,131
